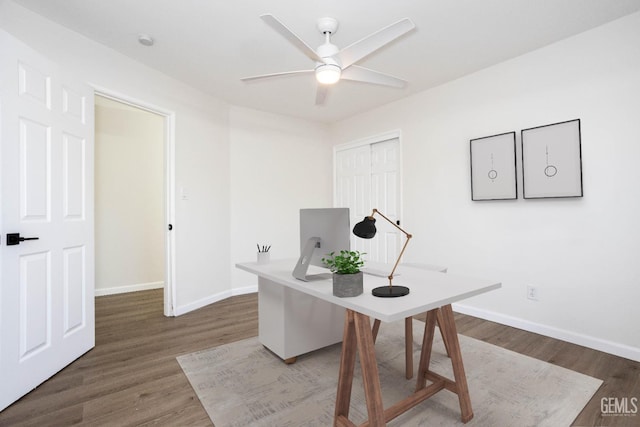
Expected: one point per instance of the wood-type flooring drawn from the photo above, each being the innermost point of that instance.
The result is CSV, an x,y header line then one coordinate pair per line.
x,y
131,377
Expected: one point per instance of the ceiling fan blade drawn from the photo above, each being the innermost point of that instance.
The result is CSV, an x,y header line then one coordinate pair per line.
x,y
361,74
321,94
267,76
274,23
362,48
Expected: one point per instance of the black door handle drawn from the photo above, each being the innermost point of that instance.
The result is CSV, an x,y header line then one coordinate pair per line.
x,y
15,239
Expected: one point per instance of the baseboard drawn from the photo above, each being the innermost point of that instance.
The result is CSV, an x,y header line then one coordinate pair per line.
x,y
129,288
610,347
183,309
245,290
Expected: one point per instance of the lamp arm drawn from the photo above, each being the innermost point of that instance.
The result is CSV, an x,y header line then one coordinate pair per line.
x,y
376,211
409,236
399,258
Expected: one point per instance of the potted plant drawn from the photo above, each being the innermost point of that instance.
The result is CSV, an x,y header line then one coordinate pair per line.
x,y
347,277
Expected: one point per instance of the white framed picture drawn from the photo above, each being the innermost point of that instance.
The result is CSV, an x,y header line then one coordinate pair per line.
x,y
493,167
552,160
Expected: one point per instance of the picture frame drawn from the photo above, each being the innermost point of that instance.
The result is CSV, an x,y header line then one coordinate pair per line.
x,y
493,167
552,160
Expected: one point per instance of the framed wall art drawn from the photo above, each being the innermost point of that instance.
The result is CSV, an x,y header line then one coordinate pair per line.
x,y
493,167
552,160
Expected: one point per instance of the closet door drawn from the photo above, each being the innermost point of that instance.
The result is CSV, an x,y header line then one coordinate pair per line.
x,y
367,177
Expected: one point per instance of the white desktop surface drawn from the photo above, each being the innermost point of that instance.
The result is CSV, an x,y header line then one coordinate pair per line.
x,y
429,289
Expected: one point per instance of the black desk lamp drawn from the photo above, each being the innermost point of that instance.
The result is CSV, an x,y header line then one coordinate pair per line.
x,y
366,229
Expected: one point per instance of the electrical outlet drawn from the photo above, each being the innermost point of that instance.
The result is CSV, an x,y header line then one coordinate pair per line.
x,y
532,293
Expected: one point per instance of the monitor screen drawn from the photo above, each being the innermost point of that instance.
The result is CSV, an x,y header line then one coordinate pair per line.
x,y
322,231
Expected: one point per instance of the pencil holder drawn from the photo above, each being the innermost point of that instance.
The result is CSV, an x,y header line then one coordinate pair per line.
x,y
263,257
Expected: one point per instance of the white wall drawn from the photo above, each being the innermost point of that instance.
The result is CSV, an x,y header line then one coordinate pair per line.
x,y
278,165
201,147
129,198
582,253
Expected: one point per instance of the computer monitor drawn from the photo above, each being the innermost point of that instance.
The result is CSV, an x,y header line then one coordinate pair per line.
x,y
322,231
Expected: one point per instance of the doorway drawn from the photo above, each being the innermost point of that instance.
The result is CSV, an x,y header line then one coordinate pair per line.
x,y
132,204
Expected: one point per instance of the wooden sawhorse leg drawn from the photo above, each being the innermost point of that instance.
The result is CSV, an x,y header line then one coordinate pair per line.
x,y
450,335
358,335
408,340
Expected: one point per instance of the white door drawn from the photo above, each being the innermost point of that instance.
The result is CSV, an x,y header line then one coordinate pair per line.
x,y
367,177
353,184
46,177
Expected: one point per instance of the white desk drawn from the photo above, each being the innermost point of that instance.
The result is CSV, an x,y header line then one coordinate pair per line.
x,y
309,312
292,322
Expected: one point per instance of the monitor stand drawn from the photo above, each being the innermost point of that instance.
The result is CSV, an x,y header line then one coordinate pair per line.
x,y
300,270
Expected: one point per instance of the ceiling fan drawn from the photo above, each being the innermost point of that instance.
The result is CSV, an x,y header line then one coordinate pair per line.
x,y
333,64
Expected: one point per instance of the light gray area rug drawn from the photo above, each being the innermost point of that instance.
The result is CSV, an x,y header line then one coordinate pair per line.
x,y
242,384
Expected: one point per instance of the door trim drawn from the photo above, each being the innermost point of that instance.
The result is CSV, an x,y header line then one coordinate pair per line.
x,y
370,140
169,186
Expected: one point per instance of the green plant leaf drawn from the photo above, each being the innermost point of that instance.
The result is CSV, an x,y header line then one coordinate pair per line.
x,y
346,262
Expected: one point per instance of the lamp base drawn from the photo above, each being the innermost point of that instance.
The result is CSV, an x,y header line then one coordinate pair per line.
x,y
390,291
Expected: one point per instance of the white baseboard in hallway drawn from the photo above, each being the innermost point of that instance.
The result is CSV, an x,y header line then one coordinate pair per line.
x,y
129,288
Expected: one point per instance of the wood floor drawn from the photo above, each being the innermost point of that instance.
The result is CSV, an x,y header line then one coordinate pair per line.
x,y
131,377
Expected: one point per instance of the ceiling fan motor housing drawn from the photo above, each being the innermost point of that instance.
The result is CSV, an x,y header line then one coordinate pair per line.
x,y
327,52
327,25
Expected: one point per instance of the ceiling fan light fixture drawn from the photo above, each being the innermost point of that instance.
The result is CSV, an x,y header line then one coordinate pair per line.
x,y
328,74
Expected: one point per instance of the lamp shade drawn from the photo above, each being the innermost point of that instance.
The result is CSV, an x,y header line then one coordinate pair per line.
x,y
366,228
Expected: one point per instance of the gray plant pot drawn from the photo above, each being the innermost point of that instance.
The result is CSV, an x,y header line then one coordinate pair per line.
x,y
347,285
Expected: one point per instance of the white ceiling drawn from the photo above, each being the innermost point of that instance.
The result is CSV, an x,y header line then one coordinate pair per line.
x,y
211,44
